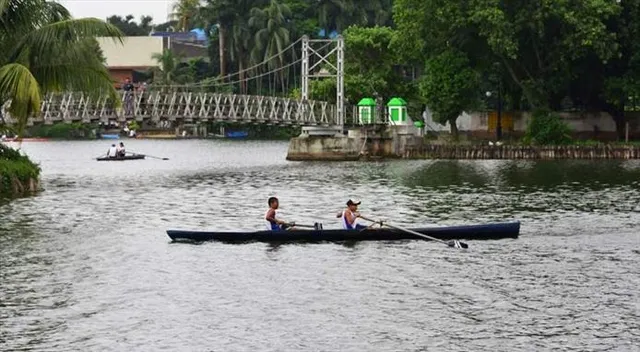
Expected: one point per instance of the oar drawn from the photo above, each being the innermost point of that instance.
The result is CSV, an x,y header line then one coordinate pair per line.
x,y
150,156
453,243
371,226
315,226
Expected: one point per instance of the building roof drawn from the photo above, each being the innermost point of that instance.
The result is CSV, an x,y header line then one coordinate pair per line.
x,y
397,102
367,102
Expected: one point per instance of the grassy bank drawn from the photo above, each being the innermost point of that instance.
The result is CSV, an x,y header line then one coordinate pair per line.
x,y
18,174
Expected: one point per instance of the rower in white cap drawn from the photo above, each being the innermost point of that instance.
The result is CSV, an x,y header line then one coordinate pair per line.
x,y
349,217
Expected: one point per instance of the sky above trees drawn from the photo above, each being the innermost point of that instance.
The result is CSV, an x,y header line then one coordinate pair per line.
x,y
158,9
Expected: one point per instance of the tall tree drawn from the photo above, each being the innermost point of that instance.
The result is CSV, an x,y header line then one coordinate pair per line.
x,y
534,44
272,35
167,66
450,87
185,12
370,13
333,15
222,15
621,86
43,50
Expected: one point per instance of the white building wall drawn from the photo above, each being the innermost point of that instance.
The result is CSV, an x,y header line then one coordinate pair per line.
x,y
132,52
478,121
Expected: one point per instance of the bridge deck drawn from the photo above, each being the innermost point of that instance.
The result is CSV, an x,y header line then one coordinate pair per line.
x,y
185,106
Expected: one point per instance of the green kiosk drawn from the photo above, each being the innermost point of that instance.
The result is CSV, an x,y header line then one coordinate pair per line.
x,y
367,111
397,108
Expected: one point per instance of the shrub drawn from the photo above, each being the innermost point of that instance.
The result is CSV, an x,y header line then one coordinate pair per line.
x,y
16,170
547,128
74,130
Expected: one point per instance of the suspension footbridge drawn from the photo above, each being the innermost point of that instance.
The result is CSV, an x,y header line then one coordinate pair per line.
x,y
223,99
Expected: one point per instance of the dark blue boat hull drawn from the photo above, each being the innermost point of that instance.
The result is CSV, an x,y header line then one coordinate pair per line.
x,y
469,232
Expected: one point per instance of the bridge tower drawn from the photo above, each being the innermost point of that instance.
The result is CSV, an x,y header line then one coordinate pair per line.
x,y
330,52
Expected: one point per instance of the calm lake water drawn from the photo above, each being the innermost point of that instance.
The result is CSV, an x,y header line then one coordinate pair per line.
x,y
86,265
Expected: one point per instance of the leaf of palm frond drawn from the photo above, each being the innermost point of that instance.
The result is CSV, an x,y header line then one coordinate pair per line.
x,y
60,77
77,68
52,38
21,87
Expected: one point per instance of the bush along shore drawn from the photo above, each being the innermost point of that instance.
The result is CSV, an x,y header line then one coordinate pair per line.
x,y
18,174
68,131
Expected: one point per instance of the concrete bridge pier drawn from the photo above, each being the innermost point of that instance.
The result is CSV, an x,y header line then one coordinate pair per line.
x,y
366,142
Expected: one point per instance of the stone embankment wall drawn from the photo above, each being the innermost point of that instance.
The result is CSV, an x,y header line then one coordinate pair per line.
x,y
522,152
323,149
410,147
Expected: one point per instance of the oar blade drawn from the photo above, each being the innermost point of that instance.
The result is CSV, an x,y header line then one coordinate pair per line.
x,y
457,244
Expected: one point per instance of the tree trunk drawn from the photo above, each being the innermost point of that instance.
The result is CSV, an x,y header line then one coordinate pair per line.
x,y
282,82
222,49
454,129
241,74
617,114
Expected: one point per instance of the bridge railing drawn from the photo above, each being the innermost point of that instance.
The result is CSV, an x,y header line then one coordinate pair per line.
x,y
186,106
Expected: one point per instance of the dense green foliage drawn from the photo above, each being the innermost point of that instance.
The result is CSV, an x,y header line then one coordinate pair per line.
x,y
258,131
131,28
555,55
552,54
16,171
370,67
76,130
547,128
449,87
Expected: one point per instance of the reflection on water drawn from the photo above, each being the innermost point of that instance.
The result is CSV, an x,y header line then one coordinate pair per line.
x,y
86,264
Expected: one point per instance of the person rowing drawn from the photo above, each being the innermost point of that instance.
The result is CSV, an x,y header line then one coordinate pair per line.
x,y
112,152
271,217
349,217
120,151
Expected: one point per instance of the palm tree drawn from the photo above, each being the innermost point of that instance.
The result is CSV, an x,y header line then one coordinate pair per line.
x,y
272,35
185,12
167,65
333,14
220,13
43,50
170,70
371,12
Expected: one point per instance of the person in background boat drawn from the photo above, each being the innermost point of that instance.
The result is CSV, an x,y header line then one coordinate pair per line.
x,y
271,216
120,151
113,152
349,217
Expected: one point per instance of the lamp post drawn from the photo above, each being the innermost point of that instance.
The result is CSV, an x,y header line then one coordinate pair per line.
x,y
499,108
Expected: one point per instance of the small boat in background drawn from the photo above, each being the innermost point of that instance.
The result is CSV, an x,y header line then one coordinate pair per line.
x,y
110,136
122,158
230,134
236,134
